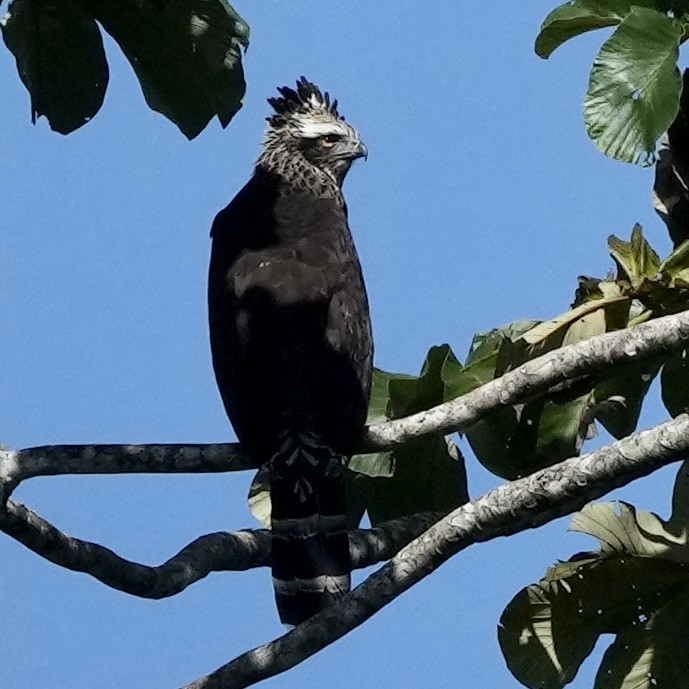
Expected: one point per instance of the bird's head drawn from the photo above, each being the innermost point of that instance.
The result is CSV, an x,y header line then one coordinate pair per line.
x,y
307,130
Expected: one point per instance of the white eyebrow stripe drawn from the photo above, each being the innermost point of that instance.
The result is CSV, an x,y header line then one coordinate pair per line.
x,y
312,130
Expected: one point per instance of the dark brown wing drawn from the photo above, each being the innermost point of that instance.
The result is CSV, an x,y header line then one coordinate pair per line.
x,y
289,321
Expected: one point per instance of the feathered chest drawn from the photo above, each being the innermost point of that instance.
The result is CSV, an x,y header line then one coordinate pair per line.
x,y
302,251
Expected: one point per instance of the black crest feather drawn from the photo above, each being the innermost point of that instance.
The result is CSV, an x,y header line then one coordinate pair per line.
x,y
292,102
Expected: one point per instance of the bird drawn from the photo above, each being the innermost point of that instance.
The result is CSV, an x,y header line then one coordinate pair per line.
x,y
291,341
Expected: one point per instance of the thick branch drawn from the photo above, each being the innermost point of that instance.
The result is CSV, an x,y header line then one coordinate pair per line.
x,y
120,459
214,552
506,510
648,340
645,341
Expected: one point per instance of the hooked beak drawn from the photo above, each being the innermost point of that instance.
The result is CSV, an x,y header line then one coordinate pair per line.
x,y
360,151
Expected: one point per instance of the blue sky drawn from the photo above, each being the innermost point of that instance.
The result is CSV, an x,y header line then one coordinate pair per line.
x,y
481,201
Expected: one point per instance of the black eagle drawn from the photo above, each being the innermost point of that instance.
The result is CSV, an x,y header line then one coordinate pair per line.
x,y
291,339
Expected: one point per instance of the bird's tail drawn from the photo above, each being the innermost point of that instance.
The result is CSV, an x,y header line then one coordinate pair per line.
x,y
311,560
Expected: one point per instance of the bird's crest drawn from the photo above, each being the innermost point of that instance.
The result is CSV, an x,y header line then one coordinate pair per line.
x,y
306,100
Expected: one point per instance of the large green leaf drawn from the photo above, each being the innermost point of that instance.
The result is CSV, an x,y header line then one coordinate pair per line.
x,y
427,474
411,394
634,88
580,16
635,587
549,628
60,59
517,440
377,464
621,528
489,354
593,317
187,56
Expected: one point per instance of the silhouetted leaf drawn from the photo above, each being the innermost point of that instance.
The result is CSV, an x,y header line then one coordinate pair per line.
x,y
651,650
618,397
549,628
60,59
429,476
674,382
635,86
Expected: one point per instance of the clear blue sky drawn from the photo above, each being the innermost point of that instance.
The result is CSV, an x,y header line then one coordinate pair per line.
x,y
481,201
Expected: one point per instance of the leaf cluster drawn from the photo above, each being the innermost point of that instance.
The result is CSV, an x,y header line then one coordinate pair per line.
x,y
187,57
635,587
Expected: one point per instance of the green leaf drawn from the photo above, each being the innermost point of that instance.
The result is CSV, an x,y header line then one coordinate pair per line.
x,y
489,353
635,86
675,268
373,464
618,397
651,650
635,259
517,441
580,16
621,528
635,587
485,345
60,59
187,56
549,628
562,429
380,396
411,394
674,382
426,474
551,334
429,476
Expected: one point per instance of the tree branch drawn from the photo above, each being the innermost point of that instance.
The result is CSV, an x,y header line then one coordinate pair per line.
x,y
645,341
513,507
216,552
226,551
16,466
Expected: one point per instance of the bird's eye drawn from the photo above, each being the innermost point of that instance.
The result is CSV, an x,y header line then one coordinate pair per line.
x,y
329,140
